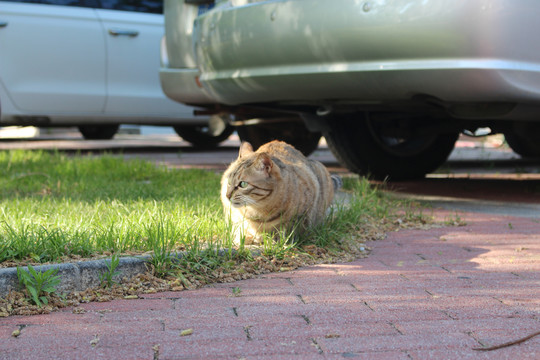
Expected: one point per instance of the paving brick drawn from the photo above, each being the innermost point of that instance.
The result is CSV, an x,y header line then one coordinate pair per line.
x,y
108,316
6,330
502,354
397,343
492,337
129,305
282,315
207,350
370,355
334,329
52,347
263,282
60,317
164,295
466,326
202,331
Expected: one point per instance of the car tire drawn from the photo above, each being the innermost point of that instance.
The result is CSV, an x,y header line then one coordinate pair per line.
x,y
206,136
294,133
98,132
524,139
357,142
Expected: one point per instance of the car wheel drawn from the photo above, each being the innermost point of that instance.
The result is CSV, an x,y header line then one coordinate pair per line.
x,y
98,132
524,139
396,147
206,136
294,133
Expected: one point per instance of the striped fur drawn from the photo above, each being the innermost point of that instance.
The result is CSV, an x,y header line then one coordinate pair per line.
x,y
273,188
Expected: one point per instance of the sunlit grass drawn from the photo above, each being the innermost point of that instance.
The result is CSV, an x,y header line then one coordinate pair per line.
x,y
54,207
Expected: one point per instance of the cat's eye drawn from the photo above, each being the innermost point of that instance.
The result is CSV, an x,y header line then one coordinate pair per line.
x,y
243,184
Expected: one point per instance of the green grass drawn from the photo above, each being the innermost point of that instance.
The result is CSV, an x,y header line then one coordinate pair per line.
x,y
55,207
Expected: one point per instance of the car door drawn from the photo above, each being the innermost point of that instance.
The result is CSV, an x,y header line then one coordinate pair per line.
x,y
133,33
53,56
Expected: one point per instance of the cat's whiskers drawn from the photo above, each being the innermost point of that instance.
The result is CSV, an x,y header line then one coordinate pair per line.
x,y
242,200
246,200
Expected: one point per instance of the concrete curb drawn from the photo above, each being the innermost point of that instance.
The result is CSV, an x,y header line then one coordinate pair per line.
x,y
79,276
76,276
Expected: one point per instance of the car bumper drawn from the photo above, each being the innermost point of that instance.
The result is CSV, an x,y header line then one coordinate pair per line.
x,y
182,85
370,51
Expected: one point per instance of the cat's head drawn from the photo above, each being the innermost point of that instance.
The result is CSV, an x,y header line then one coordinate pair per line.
x,y
252,179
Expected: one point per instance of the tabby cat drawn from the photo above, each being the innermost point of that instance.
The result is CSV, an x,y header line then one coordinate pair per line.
x,y
274,188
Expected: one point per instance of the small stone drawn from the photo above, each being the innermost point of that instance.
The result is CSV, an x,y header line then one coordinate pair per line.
x,y
186,332
94,341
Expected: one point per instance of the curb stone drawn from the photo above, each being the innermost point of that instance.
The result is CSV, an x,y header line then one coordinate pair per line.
x,y
81,275
76,276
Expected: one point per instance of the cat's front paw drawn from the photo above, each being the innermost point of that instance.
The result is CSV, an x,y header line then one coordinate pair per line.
x,y
247,239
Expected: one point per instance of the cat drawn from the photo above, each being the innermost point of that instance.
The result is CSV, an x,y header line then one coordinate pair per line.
x,y
274,188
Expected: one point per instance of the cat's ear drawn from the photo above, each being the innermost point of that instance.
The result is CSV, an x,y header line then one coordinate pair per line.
x,y
266,165
245,149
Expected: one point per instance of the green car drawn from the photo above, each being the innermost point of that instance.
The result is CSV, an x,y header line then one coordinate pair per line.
x,y
389,83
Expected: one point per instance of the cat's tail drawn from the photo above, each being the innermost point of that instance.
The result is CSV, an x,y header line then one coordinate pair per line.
x,y
337,181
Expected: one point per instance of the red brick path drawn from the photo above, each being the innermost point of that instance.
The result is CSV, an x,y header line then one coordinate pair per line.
x,y
421,294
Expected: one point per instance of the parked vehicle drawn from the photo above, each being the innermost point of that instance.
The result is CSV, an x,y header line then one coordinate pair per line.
x,y
92,64
390,84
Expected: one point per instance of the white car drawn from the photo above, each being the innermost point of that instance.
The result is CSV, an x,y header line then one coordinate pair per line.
x,y
92,64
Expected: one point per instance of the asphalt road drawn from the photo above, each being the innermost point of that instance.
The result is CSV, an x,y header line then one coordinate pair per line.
x,y
482,174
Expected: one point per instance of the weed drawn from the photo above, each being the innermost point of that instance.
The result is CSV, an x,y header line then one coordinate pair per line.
x,y
107,277
279,244
162,263
455,220
162,236
6,251
236,292
38,284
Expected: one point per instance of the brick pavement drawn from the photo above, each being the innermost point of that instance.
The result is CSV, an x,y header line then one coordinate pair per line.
x,y
421,294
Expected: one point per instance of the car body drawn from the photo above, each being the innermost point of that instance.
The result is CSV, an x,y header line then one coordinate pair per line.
x,y
390,83
87,63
